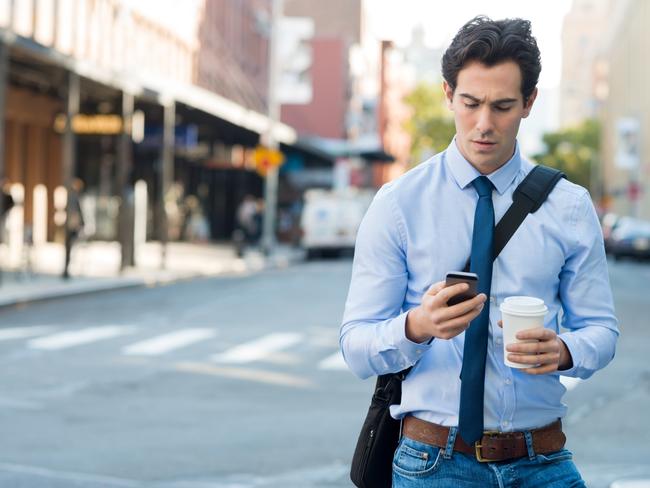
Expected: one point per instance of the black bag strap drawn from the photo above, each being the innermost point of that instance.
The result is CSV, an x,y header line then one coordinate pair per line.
x,y
527,198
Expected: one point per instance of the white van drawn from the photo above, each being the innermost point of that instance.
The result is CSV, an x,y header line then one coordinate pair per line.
x,y
330,219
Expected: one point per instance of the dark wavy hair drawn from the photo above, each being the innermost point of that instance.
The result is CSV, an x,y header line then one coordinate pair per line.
x,y
491,42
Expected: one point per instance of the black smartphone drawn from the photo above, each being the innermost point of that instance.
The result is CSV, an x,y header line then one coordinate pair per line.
x,y
455,277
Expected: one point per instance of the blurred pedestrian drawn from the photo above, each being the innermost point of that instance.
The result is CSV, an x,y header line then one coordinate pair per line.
x,y
175,211
197,228
74,222
467,418
246,218
7,206
258,220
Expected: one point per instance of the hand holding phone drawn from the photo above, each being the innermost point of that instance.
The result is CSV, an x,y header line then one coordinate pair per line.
x,y
455,277
435,318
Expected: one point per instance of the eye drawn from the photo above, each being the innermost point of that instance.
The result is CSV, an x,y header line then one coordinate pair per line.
x,y
471,105
502,108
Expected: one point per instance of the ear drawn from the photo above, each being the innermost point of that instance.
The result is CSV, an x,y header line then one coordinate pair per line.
x,y
449,94
529,104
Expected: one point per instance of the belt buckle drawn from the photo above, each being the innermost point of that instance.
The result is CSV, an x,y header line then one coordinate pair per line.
x,y
478,446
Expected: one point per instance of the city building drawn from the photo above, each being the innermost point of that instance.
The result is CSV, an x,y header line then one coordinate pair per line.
x,y
424,59
337,28
582,33
397,79
114,91
351,94
625,112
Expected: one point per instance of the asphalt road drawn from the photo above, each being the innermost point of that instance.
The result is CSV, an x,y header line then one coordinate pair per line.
x,y
237,382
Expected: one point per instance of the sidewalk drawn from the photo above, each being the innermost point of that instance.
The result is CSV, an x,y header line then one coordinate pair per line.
x,y
95,266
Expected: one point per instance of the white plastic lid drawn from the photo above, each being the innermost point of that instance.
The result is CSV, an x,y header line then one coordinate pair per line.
x,y
520,305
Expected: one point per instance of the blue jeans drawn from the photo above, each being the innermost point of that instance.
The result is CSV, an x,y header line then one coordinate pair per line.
x,y
418,465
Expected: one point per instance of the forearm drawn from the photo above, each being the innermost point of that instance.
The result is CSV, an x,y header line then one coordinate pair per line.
x,y
590,349
375,348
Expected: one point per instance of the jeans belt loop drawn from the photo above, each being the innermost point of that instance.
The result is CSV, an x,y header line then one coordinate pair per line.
x,y
529,444
451,441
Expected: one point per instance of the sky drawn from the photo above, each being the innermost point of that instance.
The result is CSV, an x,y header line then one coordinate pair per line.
x,y
395,19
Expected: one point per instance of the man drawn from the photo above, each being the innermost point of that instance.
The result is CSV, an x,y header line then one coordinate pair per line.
x,y
427,223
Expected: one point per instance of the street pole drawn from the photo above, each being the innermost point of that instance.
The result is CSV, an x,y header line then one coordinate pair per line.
x,y
271,180
166,175
125,227
4,76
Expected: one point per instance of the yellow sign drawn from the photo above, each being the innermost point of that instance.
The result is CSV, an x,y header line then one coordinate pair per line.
x,y
90,124
266,158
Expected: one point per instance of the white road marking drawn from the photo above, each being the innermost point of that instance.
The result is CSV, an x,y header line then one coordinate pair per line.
x,y
333,362
168,342
63,340
258,349
23,332
20,404
78,479
569,383
238,373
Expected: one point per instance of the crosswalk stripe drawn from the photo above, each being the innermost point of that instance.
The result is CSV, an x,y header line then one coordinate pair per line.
x,y
23,332
245,373
333,362
168,342
63,340
258,349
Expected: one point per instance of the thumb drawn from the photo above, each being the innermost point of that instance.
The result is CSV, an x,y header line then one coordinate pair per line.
x,y
435,288
500,323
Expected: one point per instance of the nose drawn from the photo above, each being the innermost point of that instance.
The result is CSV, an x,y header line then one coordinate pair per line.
x,y
484,121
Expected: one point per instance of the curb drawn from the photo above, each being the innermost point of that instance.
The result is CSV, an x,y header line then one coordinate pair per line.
x,y
80,287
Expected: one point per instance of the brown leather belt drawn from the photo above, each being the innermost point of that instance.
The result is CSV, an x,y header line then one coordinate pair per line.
x,y
493,446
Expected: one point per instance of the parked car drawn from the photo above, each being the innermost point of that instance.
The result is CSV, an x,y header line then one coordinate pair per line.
x,y
608,222
330,219
630,238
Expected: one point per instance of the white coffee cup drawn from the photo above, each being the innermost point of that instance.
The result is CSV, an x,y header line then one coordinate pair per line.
x,y
519,313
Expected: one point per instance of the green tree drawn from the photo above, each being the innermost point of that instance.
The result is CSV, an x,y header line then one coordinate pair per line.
x,y
574,151
431,125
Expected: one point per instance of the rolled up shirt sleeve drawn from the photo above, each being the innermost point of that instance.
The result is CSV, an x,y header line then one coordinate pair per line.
x,y
586,296
373,333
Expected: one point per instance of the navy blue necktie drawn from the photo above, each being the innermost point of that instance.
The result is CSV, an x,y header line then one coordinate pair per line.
x,y
470,421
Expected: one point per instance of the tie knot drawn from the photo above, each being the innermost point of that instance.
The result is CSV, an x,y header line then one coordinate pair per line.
x,y
483,186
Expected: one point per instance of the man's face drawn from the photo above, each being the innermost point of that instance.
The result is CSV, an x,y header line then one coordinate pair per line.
x,y
488,107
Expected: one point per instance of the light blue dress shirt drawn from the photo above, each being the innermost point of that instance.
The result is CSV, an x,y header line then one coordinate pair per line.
x,y
417,229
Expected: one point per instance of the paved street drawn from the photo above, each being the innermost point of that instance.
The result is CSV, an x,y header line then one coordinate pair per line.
x,y
237,382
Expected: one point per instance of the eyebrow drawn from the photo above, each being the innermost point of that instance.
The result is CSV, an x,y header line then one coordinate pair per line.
x,y
496,102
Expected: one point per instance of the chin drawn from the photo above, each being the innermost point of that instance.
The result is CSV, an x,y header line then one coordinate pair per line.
x,y
486,165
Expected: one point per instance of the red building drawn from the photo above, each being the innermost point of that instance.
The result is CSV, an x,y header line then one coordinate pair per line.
x,y
337,27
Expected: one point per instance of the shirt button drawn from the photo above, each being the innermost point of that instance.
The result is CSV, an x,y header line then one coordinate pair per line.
x,y
508,381
498,340
505,424
493,300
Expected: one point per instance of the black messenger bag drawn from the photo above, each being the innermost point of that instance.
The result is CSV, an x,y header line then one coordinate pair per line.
x,y
372,462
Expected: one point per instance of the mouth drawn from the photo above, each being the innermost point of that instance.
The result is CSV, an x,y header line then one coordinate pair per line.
x,y
484,144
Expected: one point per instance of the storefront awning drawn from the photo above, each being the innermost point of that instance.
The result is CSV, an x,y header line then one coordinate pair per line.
x,y
368,148
157,88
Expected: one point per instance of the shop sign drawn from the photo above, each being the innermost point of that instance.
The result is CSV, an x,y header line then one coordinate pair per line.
x,y
103,124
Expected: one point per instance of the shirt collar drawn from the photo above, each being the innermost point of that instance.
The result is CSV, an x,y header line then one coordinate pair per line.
x,y
464,173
